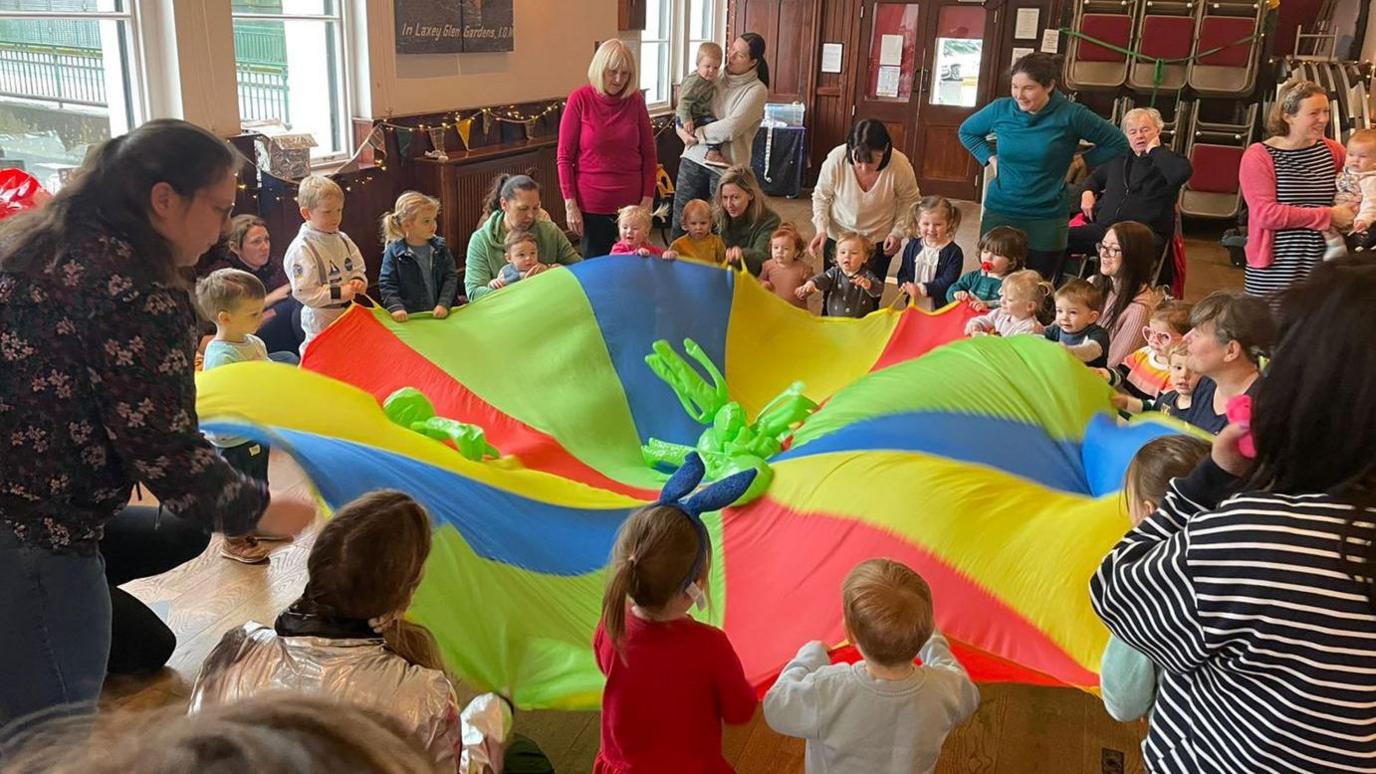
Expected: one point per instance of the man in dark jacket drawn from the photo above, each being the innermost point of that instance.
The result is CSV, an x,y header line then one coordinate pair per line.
x,y
1142,186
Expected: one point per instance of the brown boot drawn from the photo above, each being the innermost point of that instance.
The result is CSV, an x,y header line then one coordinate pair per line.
x,y
716,159
246,549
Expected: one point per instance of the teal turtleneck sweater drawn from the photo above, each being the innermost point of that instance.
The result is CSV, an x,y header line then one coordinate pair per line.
x,y
1035,150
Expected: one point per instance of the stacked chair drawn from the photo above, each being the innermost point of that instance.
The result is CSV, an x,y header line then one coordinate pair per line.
x,y
1223,37
1215,151
1228,46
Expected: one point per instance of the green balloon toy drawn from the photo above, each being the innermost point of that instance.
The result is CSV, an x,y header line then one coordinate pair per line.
x,y
731,443
410,408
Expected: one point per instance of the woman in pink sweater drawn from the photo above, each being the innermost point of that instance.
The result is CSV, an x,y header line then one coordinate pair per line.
x,y
606,148
1288,182
1127,265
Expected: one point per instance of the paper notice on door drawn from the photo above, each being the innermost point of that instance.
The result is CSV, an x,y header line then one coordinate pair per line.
x,y
1051,40
1025,28
831,57
1019,53
890,50
888,82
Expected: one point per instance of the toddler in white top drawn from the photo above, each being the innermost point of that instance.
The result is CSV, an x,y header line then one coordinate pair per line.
x,y
323,264
883,715
1356,185
1020,296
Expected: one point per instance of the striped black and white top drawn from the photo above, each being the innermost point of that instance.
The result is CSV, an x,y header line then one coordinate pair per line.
x,y
1266,647
1305,177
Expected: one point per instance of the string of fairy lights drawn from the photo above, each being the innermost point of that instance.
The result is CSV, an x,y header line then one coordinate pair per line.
x,y
351,176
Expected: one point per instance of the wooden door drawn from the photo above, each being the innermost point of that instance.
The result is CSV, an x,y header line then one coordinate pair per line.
x,y
957,74
789,29
888,78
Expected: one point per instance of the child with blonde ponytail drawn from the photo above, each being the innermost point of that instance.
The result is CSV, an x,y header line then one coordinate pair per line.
x,y
671,680
418,270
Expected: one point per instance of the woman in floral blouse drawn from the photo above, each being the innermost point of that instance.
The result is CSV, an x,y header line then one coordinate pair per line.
x,y
96,393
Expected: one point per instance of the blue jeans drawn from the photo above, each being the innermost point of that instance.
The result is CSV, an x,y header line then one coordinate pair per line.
x,y
55,635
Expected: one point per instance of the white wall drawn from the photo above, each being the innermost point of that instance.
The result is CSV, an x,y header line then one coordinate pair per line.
x,y
555,40
190,66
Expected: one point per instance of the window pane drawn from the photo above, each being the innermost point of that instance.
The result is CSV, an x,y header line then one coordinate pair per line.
x,y
892,51
299,86
65,6
701,15
296,7
654,72
959,48
657,16
63,88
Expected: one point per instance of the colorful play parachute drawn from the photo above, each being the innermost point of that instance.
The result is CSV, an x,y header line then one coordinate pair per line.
x,y
989,465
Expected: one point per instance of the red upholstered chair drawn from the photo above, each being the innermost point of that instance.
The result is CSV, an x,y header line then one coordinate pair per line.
x,y
1090,65
1162,35
1231,71
1213,190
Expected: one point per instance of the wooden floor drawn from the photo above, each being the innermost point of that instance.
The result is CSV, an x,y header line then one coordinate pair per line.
x,y
1018,728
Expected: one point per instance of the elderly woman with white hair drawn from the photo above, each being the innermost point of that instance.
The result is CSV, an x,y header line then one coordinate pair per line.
x,y
1141,185
606,148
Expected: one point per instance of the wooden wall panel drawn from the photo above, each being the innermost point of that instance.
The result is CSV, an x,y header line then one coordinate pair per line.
x,y
789,31
829,115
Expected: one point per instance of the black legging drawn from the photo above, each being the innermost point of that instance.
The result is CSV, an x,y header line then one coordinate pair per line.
x,y
140,542
599,234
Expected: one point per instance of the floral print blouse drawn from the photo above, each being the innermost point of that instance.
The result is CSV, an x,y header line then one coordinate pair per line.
x,y
97,392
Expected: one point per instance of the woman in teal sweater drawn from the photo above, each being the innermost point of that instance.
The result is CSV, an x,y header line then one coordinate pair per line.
x,y
1038,132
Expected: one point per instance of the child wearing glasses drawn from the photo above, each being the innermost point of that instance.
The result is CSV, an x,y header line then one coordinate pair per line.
x,y
1146,373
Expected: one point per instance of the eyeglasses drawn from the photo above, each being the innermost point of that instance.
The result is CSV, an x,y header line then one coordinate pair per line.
x,y
1153,336
1108,249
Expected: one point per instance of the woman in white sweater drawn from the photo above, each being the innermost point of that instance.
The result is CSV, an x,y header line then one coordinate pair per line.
x,y
867,187
739,105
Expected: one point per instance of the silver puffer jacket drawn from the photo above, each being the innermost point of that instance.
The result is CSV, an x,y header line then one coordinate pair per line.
x,y
255,659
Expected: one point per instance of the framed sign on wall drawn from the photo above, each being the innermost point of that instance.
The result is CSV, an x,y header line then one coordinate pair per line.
x,y
453,26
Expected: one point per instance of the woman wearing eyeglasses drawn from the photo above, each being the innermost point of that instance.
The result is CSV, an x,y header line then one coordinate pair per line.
x,y
1127,255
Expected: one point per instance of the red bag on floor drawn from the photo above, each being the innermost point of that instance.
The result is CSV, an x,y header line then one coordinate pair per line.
x,y
1178,257
19,191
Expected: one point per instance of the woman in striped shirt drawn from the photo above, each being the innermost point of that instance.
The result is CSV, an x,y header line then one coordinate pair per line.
x,y
1251,588
1288,183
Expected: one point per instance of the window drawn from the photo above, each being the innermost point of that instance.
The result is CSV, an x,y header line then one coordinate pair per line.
x,y
673,31
303,86
68,80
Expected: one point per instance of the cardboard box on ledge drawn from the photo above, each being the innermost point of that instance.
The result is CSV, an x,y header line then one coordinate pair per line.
x,y
281,152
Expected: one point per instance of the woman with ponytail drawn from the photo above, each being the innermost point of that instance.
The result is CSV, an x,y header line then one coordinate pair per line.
x,y
512,204
347,637
739,105
97,392
418,272
671,680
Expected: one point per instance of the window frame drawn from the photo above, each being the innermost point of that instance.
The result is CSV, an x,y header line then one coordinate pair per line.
x,y
137,107
344,42
680,45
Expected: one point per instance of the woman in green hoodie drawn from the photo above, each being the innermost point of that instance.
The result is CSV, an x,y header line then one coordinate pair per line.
x,y
1038,132
743,220
513,203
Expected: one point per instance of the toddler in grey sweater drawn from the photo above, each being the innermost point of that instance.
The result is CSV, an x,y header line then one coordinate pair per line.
x,y
882,714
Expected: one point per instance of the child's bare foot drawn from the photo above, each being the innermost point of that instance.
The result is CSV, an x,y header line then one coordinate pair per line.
x,y
716,159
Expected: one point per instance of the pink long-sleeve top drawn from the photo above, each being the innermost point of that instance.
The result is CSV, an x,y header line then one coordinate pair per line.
x,y
607,154
1265,215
